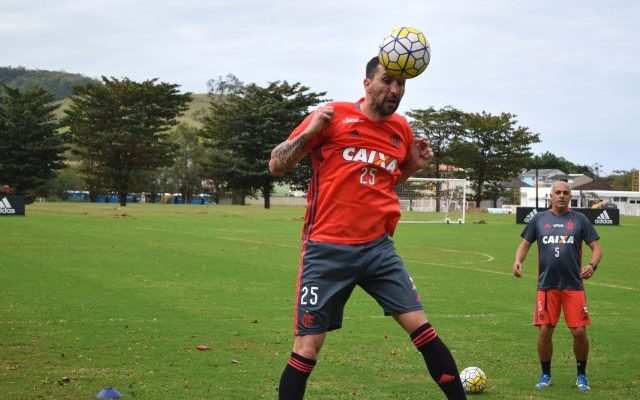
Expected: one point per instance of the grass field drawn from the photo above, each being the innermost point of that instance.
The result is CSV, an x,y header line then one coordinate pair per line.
x,y
92,295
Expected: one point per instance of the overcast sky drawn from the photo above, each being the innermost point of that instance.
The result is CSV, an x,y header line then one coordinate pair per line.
x,y
569,70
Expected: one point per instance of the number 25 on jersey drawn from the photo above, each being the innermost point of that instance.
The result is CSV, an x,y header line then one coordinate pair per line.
x,y
368,176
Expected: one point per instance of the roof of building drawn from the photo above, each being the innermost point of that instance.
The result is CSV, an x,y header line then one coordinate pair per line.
x,y
544,173
594,186
516,183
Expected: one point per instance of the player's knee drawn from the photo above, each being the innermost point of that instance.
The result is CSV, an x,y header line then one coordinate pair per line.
x,y
411,321
308,346
307,353
546,331
579,332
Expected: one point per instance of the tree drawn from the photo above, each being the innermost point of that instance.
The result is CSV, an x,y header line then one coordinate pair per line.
x,y
548,160
442,127
492,149
245,123
31,149
66,179
121,130
622,180
187,169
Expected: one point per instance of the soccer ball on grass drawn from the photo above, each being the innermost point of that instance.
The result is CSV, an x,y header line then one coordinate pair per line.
x,y
474,380
405,52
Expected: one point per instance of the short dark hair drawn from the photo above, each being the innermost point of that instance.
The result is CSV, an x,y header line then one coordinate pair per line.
x,y
372,66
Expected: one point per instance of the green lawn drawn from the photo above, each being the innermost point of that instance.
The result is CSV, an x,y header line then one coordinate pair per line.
x,y
92,295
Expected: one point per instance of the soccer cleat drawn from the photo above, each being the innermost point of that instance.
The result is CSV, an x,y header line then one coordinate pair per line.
x,y
544,382
582,383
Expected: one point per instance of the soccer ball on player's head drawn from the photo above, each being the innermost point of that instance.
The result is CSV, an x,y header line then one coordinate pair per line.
x,y
405,52
474,380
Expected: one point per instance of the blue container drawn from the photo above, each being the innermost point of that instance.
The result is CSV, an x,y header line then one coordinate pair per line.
x,y
108,393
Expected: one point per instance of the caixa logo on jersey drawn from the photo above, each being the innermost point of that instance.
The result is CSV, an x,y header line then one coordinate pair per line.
x,y
12,205
371,157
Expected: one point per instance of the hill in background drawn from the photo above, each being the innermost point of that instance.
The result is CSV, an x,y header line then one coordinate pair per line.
x,y
59,83
192,116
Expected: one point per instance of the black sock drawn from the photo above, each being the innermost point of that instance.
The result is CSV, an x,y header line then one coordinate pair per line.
x,y
582,367
440,363
293,381
546,367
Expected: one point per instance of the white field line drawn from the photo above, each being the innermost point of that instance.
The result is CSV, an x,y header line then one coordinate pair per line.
x,y
288,246
489,258
463,266
232,239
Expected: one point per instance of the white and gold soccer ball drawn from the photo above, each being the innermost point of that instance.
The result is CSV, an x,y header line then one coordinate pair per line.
x,y
405,52
474,380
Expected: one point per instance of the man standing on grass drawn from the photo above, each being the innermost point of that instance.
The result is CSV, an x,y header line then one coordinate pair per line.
x,y
560,232
360,151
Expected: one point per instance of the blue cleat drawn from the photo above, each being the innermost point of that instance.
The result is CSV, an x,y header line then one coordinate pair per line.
x,y
582,383
544,382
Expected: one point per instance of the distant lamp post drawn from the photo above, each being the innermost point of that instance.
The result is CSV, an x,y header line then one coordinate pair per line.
x,y
536,185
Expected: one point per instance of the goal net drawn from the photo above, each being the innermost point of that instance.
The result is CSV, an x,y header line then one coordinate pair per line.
x,y
424,200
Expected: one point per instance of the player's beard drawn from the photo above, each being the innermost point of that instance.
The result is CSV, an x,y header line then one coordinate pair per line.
x,y
387,106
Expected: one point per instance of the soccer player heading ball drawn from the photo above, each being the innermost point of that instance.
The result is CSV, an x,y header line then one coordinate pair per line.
x,y
359,151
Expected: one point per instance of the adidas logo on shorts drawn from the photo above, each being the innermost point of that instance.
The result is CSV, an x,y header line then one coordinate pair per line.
x,y
530,215
603,219
6,207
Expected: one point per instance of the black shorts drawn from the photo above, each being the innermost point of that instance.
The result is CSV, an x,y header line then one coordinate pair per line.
x,y
329,272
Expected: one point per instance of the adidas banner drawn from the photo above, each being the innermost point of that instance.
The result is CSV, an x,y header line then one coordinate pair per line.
x,y
11,205
602,216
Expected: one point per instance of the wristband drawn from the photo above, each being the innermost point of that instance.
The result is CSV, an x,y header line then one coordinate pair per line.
x,y
594,266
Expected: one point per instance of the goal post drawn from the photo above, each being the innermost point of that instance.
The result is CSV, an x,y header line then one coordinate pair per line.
x,y
433,200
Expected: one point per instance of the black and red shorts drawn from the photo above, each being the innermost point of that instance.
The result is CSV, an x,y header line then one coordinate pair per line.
x,y
329,273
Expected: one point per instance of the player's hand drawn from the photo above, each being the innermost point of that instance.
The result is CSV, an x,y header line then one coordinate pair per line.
x,y
321,116
586,272
421,152
517,269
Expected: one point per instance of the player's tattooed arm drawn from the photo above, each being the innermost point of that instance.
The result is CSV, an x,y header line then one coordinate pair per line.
x,y
286,155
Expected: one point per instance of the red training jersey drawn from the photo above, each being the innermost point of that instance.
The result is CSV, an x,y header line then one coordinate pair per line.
x,y
356,164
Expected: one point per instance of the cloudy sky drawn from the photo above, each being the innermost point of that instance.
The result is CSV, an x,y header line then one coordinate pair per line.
x,y
569,70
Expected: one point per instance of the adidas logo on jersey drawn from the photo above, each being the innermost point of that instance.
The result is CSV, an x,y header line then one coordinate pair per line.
x,y
603,219
6,207
530,215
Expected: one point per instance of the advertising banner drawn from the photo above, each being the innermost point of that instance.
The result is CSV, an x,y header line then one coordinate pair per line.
x,y
11,205
597,216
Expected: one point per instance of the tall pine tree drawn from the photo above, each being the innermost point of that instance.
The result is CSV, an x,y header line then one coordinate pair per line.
x,y
245,123
31,149
120,130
